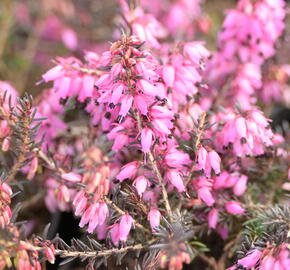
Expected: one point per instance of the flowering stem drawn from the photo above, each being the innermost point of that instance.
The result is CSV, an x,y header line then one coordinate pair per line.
x,y
197,143
158,174
87,70
164,191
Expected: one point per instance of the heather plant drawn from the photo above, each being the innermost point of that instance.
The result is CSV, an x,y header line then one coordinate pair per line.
x,y
162,149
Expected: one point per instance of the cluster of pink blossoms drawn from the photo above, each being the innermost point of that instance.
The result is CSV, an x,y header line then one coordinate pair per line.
x,y
251,30
272,257
136,100
178,20
219,193
181,72
275,87
248,38
182,18
70,78
145,26
27,256
245,134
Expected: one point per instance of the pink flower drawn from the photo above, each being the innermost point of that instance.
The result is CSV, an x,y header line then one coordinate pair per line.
x,y
154,218
241,185
221,181
33,168
161,126
63,194
168,74
103,213
117,94
207,161
141,104
270,263
69,38
251,258
177,159
54,73
5,199
241,127
196,51
71,177
128,171
87,88
6,188
126,103
201,157
6,144
175,179
215,161
49,254
88,215
143,25
205,195
141,184
95,215
80,203
235,208
125,226
147,88
115,234
146,139
212,218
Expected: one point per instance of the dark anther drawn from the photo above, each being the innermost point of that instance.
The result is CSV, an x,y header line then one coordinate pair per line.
x,y
108,115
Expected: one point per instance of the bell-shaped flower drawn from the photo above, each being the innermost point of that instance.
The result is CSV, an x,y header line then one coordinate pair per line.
x,y
125,225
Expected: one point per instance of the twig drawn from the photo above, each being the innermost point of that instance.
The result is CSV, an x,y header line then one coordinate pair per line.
x,y
32,201
209,260
163,188
222,260
94,254
49,162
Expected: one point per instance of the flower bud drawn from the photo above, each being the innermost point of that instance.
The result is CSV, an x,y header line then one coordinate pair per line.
x,y
154,218
212,218
235,208
125,226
